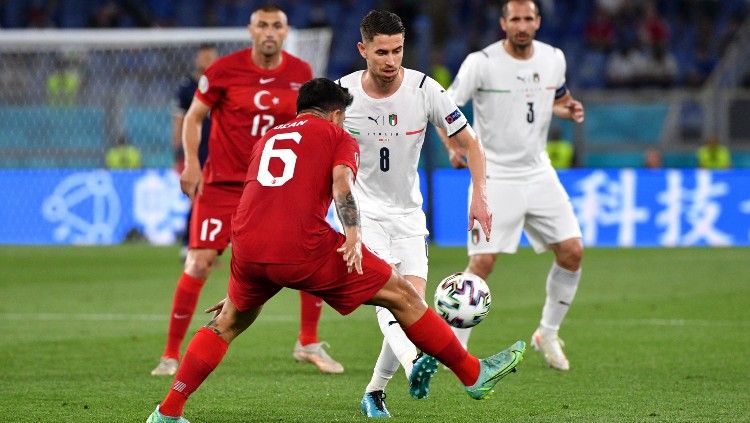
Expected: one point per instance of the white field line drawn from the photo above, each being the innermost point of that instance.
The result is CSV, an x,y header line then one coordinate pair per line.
x,y
128,317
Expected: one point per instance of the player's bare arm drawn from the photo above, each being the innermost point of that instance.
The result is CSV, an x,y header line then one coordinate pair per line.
x,y
466,140
456,154
348,211
567,107
178,119
191,180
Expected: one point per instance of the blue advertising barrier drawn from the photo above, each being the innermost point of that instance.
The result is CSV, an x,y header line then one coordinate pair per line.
x,y
628,207
615,207
72,206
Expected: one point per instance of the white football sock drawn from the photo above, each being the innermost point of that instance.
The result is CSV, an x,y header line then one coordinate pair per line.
x,y
385,368
400,344
561,289
462,335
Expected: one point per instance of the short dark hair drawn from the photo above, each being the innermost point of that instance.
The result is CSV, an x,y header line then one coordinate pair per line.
x,y
324,95
505,5
207,46
268,8
380,22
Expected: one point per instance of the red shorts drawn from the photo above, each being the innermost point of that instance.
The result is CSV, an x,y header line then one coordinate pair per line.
x,y
211,220
252,284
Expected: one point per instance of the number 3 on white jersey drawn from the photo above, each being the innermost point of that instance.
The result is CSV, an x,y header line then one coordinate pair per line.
x,y
286,155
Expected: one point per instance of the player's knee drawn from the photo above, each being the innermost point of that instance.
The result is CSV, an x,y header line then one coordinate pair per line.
x,y
198,265
571,254
482,264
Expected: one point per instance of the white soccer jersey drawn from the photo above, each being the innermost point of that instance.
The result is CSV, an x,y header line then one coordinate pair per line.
x,y
390,132
512,102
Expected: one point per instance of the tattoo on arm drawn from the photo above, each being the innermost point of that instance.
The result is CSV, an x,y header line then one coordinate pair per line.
x,y
346,206
212,325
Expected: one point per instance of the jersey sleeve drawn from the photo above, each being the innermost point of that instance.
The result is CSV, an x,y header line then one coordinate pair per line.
x,y
561,67
210,88
346,151
442,110
467,80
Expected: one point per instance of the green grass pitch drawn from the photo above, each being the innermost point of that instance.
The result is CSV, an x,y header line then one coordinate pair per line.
x,y
655,335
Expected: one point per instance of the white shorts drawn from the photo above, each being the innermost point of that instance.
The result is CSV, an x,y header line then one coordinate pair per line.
x,y
400,241
538,205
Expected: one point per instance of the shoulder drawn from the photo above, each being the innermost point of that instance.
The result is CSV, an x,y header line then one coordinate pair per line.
x,y
548,50
350,81
492,51
295,62
231,59
423,82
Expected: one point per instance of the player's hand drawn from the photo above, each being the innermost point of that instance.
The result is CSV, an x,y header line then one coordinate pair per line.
x,y
575,108
191,181
352,252
480,212
216,308
457,158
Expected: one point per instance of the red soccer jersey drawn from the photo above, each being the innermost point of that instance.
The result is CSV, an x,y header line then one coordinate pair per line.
x,y
281,216
245,102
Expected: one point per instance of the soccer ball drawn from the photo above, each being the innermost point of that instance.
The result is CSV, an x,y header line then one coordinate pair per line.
x,y
463,299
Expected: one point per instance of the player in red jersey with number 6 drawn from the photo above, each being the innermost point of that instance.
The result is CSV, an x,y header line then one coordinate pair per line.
x,y
247,92
281,239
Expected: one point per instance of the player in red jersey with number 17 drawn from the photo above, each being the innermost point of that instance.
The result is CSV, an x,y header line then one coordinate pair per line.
x,y
247,92
281,239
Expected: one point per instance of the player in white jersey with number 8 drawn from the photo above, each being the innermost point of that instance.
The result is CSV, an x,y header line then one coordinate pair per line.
x,y
516,84
389,116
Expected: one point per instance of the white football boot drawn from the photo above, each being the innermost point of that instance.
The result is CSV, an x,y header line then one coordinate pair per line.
x,y
315,354
166,367
551,346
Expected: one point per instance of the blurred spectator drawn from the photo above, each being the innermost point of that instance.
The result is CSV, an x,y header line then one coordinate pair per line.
x,y
704,63
64,82
438,71
600,30
559,149
654,29
40,15
652,158
713,155
735,22
123,155
625,66
660,68
115,14
612,7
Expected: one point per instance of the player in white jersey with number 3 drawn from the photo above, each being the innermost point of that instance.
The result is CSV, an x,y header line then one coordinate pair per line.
x,y
389,116
516,84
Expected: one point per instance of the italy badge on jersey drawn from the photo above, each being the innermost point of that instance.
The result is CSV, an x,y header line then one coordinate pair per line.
x,y
393,119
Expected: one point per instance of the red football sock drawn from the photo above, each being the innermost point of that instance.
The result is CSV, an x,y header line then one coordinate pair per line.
x,y
183,306
310,306
203,354
433,336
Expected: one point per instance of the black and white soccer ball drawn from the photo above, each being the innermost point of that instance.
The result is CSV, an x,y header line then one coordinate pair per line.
x,y
463,300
